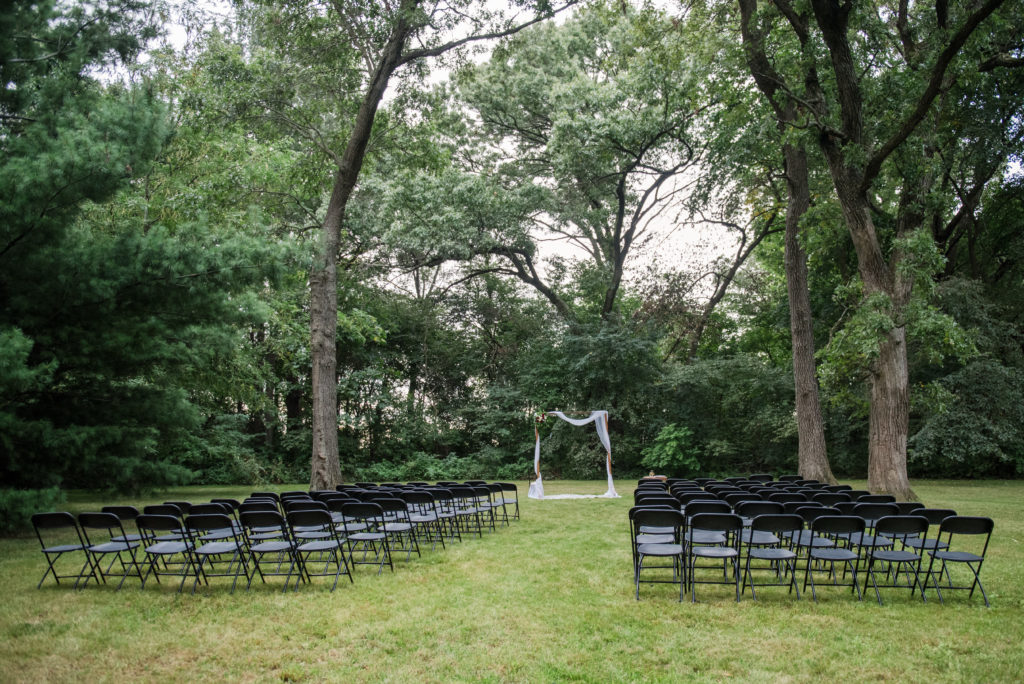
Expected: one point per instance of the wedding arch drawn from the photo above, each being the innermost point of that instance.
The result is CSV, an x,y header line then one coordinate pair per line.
x,y
600,420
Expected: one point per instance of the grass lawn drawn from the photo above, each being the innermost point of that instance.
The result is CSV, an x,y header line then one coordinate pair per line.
x,y
549,599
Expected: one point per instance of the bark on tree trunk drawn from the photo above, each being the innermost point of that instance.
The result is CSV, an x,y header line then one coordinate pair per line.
x,y
889,419
812,454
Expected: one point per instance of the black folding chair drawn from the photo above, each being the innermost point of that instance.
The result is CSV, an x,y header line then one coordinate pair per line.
x,y
956,533
107,540
270,546
730,527
666,542
211,549
825,558
317,557
54,531
164,551
363,527
893,561
780,557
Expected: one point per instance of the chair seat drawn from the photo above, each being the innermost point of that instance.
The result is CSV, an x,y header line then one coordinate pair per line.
x,y
394,527
957,556
655,539
655,529
759,538
714,551
660,549
367,536
833,554
113,547
706,537
216,548
926,544
896,556
167,548
320,545
272,546
772,554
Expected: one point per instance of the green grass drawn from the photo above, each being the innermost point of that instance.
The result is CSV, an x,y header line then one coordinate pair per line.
x,y
548,599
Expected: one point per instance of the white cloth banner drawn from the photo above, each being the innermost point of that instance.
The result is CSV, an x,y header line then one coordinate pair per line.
x,y
600,418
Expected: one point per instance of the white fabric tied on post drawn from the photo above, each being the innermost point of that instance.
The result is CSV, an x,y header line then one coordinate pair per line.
x,y
600,418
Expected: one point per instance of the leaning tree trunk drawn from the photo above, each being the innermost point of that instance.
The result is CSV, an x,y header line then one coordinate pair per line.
x,y
325,469
812,456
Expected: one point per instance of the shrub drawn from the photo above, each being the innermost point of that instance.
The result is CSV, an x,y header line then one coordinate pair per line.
x,y
673,452
18,505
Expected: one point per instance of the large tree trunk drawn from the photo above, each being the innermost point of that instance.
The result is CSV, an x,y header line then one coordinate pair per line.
x,y
325,470
889,419
812,455
889,416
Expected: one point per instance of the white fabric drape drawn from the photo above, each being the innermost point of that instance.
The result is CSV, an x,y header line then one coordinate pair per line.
x,y
600,418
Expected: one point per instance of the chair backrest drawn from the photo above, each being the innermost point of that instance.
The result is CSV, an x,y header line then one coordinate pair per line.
x,y
265,495
100,521
363,510
966,524
205,522
935,516
752,509
876,498
716,522
830,498
902,526
689,497
706,507
736,499
812,512
125,513
838,488
777,522
656,499
55,520
162,509
149,524
510,487
184,506
761,477
297,504
874,511
307,518
250,506
251,519
839,524
393,505
204,508
846,507
231,503
366,485
657,517
908,507
785,497
789,478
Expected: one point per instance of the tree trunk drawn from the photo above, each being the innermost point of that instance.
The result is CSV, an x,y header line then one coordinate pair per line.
x,y
325,470
889,416
812,454
889,419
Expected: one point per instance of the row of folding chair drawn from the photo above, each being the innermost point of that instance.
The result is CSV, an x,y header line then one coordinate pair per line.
x,y
297,535
879,542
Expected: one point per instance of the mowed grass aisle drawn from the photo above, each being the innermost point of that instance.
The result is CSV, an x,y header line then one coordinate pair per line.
x,y
548,599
